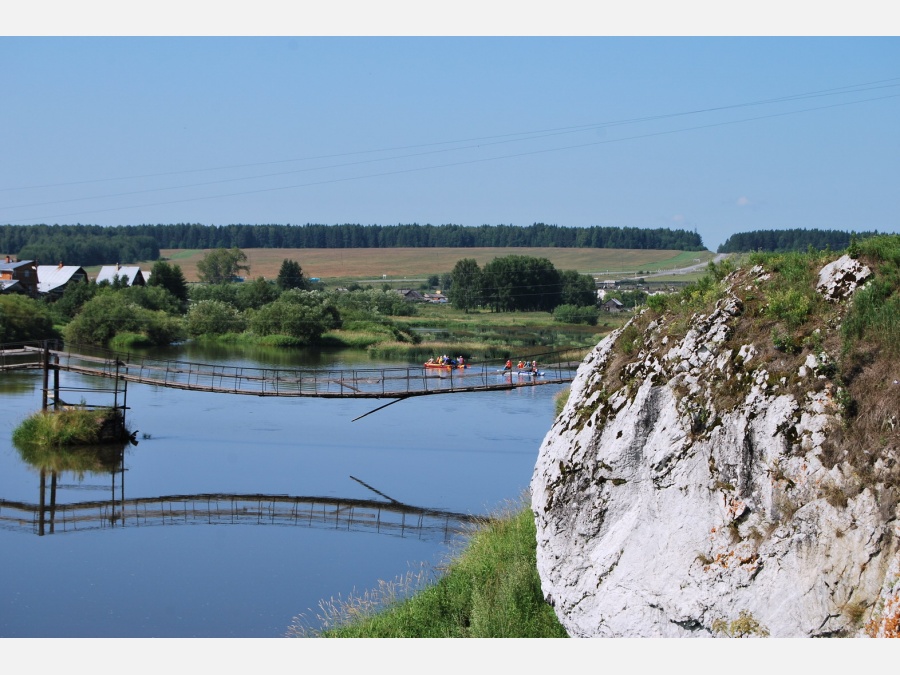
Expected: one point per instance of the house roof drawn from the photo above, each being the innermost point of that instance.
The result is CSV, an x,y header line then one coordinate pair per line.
x,y
14,265
51,277
614,301
11,286
110,272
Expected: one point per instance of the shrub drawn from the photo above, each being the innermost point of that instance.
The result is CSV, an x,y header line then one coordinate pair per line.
x,y
576,314
213,317
22,318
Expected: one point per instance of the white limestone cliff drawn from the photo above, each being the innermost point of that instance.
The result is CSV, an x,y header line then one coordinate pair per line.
x,y
689,489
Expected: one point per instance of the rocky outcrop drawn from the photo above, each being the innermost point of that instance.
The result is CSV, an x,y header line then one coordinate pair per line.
x,y
690,486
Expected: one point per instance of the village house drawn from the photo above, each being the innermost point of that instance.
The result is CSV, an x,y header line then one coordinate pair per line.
x,y
132,276
410,294
613,305
19,277
54,279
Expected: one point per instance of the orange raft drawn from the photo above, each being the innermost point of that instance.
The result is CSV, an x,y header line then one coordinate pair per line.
x,y
442,366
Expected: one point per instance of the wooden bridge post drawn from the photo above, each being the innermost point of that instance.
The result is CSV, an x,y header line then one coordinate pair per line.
x,y
56,382
45,362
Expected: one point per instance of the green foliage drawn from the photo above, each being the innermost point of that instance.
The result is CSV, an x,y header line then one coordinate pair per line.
x,y
578,289
576,314
659,303
213,317
171,278
790,240
875,314
69,427
22,318
110,313
300,314
73,299
465,289
251,295
155,298
222,265
520,283
791,306
630,339
257,293
196,236
290,275
80,244
491,590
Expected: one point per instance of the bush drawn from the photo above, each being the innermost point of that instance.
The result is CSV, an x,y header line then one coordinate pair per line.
x,y
214,317
108,314
576,314
22,318
300,314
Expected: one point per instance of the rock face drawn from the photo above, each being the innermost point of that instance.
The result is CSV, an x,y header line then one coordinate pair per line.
x,y
688,489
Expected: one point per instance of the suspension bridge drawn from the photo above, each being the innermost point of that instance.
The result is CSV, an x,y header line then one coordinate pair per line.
x,y
397,383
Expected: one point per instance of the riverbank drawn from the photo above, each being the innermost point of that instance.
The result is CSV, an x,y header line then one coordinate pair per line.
x,y
491,589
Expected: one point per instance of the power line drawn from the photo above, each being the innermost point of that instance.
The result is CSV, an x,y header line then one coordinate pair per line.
x,y
474,161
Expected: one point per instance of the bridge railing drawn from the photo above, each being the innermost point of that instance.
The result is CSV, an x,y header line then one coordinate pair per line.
x,y
388,382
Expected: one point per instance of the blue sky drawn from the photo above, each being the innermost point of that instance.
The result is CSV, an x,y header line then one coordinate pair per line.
x,y
576,131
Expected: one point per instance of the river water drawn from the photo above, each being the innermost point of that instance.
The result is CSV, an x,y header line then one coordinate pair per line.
x,y
254,509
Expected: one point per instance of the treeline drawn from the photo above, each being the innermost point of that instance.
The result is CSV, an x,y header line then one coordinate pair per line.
x,y
781,241
83,242
77,244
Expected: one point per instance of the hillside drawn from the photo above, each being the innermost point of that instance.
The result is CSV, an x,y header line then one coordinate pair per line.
x,y
416,263
727,463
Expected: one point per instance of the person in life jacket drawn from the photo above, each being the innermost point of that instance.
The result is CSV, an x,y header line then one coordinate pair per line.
x,y
508,365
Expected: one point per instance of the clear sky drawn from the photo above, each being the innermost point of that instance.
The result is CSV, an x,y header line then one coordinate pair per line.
x,y
717,134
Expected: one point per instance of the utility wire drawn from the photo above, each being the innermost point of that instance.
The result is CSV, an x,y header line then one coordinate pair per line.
x,y
465,162
527,135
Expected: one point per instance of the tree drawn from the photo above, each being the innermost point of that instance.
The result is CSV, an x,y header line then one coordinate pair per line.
x,y
222,265
520,283
22,318
466,284
171,278
291,276
578,289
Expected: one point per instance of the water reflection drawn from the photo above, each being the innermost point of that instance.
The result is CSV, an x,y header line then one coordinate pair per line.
x,y
389,517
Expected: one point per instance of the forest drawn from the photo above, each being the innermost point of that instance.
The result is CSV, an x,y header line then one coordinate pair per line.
x,y
94,244
783,241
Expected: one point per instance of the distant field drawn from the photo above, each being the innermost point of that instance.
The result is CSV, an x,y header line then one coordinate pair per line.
x,y
415,263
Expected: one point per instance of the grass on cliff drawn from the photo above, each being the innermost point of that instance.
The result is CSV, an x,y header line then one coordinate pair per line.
x,y
491,589
787,320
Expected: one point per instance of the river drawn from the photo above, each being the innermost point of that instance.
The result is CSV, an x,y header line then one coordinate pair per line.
x,y
271,545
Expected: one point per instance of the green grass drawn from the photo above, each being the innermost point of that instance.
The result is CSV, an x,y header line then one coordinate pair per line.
x,y
491,589
65,428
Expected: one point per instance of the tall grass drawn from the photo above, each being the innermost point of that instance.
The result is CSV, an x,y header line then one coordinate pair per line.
x,y
875,315
491,589
73,426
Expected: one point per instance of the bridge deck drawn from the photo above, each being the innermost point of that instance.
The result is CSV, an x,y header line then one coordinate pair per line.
x,y
401,382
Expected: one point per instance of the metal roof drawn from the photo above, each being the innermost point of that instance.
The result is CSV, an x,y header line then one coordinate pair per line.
x,y
51,277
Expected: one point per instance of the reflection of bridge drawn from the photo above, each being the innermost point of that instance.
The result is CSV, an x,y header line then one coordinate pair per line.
x,y
398,383
356,515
